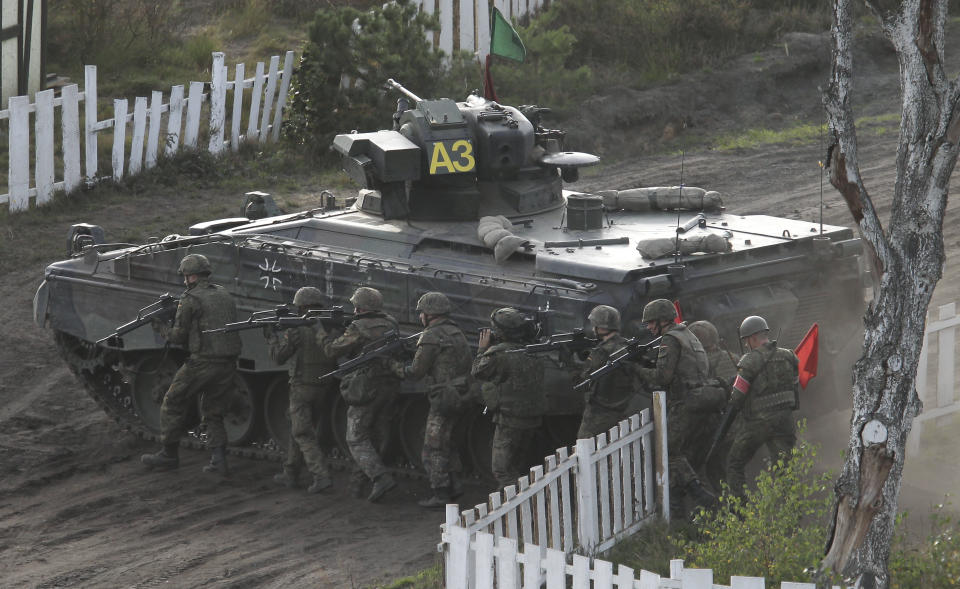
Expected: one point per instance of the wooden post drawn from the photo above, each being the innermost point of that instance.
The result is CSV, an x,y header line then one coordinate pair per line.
x,y
172,140
153,135
456,547
19,162
737,582
70,122
119,136
484,561
268,97
139,131
662,452
90,119
282,98
237,108
532,558
218,100
587,535
507,577
254,117
44,154
194,102
556,570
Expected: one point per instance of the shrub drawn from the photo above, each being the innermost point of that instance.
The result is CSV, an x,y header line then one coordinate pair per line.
x,y
931,565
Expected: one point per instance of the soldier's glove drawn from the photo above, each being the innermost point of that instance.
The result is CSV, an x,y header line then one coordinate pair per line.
x,y
398,368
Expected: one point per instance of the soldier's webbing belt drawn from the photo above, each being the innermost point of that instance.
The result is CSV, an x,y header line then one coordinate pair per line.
x,y
781,400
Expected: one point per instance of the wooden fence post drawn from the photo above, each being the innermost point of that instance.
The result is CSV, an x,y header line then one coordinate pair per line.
x,y
194,103
662,452
218,101
237,107
282,98
737,582
153,135
268,97
586,496
70,123
139,131
119,136
174,118
44,153
456,550
484,561
507,577
90,119
19,163
254,117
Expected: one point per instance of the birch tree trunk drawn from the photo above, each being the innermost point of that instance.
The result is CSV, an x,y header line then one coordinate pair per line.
x,y
907,261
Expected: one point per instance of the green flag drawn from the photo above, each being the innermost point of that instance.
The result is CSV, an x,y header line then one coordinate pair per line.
x,y
504,41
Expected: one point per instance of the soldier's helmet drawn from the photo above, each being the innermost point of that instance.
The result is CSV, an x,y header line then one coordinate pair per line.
x,y
367,298
659,310
434,303
706,333
752,325
308,296
195,264
605,317
508,322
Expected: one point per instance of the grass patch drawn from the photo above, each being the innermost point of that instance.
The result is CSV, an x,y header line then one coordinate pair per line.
x,y
431,578
802,134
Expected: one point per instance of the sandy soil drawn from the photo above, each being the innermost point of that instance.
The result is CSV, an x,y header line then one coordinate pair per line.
x,y
77,509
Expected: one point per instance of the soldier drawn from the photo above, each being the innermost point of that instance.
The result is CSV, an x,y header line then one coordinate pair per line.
x,y
608,398
444,354
722,372
368,391
681,366
210,369
766,391
512,390
307,364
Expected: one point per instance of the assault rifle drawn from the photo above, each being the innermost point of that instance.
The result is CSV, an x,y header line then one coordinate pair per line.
x,y
633,348
725,422
283,317
379,348
164,308
572,341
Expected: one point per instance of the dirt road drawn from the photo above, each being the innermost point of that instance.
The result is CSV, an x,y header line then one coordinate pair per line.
x,y
78,510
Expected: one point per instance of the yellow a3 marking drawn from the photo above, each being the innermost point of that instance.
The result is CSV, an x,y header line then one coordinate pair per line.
x,y
451,157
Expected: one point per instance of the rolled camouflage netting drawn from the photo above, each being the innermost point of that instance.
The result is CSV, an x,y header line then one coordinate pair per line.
x,y
662,198
496,233
658,247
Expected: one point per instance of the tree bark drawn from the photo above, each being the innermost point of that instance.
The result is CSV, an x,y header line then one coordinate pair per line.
x,y
906,259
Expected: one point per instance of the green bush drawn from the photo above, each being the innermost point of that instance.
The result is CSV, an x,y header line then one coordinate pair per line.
x,y
363,49
934,564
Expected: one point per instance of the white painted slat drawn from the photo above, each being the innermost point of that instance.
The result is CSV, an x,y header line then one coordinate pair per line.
x,y
139,132
90,119
481,512
556,569
445,8
532,556
467,36
624,578
70,123
630,512
282,95
676,568
268,97
483,29
790,585
483,565
603,478
586,495
946,352
255,96
616,482
644,477
194,103
218,102
494,502
649,580
602,574
43,132
566,505
458,541
119,136
581,572
237,108
737,582
662,466
172,140
540,507
554,500
526,511
153,134
19,162
507,572
697,578
509,493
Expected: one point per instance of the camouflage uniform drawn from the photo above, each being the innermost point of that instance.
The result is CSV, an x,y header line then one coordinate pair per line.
x,y
723,369
444,354
608,398
681,365
308,364
766,389
211,367
513,392
375,383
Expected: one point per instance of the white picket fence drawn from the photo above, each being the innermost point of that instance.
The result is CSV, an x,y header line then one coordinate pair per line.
x,y
942,401
469,29
154,125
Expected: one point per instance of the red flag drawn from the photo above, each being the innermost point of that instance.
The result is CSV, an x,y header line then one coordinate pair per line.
x,y
806,353
488,92
679,318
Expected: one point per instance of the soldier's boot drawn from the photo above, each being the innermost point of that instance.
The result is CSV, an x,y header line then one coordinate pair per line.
x,y
218,462
287,478
456,486
700,494
438,500
167,458
381,485
321,482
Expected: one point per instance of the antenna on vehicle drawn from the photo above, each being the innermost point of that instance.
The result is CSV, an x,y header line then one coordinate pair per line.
x,y
676,268
820,163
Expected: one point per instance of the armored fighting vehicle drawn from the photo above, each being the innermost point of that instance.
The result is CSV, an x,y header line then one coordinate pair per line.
x,y
473,199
